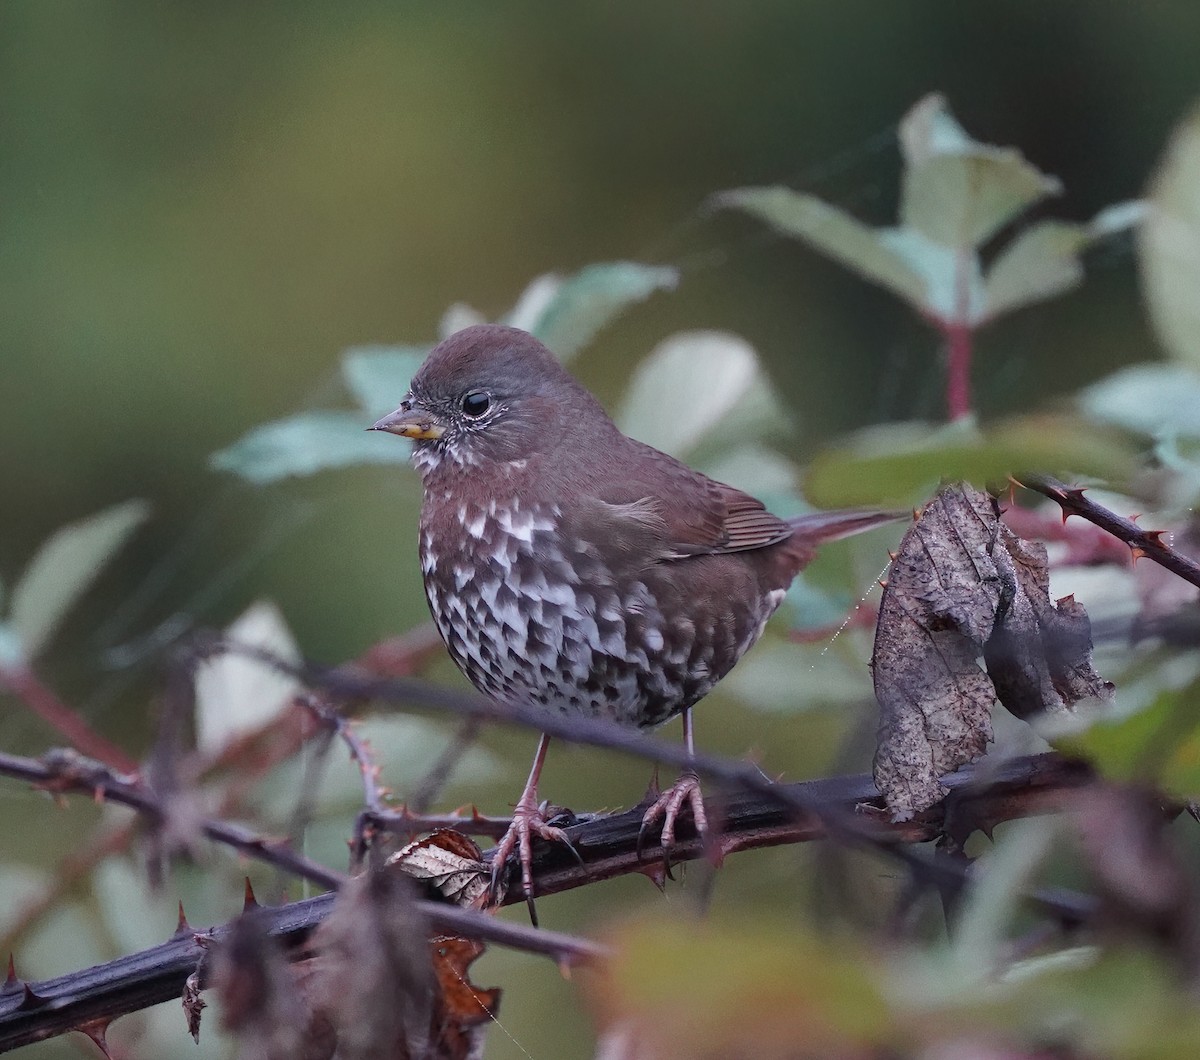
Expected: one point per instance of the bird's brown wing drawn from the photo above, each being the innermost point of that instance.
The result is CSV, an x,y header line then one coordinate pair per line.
x,y
668,511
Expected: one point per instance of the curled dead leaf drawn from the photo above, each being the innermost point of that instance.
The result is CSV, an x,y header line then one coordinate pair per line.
x,y
964,589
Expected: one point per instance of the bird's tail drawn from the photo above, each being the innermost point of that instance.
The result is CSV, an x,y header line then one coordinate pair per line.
x,y
818,527
809,532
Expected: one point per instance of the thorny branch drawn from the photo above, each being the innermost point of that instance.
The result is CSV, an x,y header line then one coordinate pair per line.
x,y
1148,543
985,795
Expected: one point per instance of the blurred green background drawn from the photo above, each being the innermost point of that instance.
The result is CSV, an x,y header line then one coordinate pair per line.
x,y
201,205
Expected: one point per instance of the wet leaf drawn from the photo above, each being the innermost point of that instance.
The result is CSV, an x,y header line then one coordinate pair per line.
x,y
63,568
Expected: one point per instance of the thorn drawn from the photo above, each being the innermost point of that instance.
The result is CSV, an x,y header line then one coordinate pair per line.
x,y
891,556
249,902
1013,481
656,874
1065,600
564,967
1134,516
1156,537
1065,515
30,999
1136,553
11,979
883,583
917,513
96,1030
182,927
1076,494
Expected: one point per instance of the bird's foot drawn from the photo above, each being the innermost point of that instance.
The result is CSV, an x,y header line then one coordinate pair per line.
x,y
529,820
684,792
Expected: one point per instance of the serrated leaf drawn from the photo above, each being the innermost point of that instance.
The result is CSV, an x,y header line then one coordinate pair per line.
x,y
902,463
686,384
305,444
236,694
857,246
1169,248
378,376
63,568
1159,400
956,191
584,303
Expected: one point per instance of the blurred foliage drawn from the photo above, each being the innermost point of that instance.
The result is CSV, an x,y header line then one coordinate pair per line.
x,y
201,206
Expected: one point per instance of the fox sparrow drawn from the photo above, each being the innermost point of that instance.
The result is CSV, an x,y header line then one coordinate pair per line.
x,y
570,566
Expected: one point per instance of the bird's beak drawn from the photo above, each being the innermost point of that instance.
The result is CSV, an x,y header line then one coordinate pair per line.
x,y
410,420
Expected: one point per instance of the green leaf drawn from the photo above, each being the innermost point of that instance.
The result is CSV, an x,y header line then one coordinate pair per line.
x,y
1043,261
581,305
1158,400
12,652
1169,250
535,300
857,246
744,990
956,191
687,383
902,463
305,444
236,694
63,568
1159,744
378,376
459,316
953,283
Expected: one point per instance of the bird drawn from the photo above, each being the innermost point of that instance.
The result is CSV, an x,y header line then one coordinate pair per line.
x,y
569,566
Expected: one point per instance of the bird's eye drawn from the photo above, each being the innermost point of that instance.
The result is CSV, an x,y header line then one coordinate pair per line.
x,y
476,403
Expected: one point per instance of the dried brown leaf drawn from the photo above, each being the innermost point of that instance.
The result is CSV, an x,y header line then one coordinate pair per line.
x,y
963,588
259,1001
450,863
371,979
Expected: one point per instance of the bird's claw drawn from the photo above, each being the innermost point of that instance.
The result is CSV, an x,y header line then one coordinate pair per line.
x,y
685,791
529,819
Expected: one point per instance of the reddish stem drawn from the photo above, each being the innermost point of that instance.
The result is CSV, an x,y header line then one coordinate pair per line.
x,y
42,701
958,369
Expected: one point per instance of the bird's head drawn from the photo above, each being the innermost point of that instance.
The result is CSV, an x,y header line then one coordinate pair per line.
x,y
488,395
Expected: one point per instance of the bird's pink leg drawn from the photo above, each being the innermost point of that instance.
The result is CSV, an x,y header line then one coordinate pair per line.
x,y
685,791
528,820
